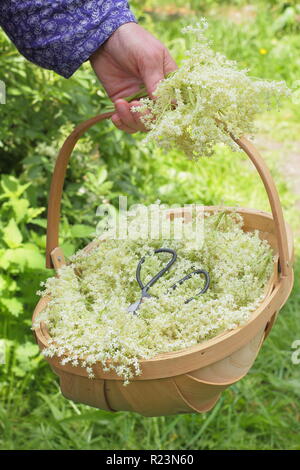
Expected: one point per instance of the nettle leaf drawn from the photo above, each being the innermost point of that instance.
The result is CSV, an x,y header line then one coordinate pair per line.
x,y
38,240
27,350
12,235
27,358
7,284
68,249
82,231
26,256
9,184
32,213
14,306
101,175
12,187
3,264
20,208
3,283
40,222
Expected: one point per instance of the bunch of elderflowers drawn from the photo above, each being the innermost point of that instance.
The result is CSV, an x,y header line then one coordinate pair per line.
x,y
87,316
205,100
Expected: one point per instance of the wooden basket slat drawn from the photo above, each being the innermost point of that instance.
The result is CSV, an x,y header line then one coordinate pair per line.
x,y
199,397
147,397
233,367
83,390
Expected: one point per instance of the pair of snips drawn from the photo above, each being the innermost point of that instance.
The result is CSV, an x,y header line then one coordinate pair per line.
x,y
145,288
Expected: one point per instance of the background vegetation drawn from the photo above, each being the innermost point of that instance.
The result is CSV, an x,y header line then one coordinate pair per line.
x,y
261,411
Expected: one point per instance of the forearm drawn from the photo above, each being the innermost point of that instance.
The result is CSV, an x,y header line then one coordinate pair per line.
x,y
61,35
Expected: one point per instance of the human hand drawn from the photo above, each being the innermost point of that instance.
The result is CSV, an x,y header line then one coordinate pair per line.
x,y
130,58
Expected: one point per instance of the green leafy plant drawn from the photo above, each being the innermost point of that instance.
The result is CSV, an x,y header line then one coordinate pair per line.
x,y
19,255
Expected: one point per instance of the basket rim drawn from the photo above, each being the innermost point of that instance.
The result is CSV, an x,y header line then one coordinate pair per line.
x,y
277,293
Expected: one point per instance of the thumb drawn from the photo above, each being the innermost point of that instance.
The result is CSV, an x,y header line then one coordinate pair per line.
x,y
157,70
152,75
169,64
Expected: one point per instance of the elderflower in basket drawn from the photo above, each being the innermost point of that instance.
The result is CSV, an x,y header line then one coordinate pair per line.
x,y
88,318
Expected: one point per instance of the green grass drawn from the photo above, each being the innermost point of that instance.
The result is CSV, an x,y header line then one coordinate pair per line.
x,y
262,410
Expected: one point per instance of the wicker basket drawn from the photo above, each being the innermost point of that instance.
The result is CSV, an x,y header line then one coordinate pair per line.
x,y
189,380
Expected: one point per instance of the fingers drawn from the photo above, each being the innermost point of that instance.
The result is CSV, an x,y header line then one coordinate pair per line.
x,y
127,117
152,71
153,74
136,115
126,120
120,125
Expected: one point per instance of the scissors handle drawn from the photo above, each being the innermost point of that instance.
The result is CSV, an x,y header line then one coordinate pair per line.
x,y
188,276
152,281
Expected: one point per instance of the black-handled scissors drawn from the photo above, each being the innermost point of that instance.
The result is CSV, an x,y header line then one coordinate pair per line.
x,y
135,306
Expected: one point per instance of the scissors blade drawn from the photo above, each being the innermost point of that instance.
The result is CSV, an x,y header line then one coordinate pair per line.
x,y
133,307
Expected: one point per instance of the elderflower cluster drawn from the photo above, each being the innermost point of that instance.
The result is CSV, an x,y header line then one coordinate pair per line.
x,y
205,100
87,316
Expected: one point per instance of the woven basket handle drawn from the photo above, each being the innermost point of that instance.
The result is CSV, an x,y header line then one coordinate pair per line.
x,y
54,255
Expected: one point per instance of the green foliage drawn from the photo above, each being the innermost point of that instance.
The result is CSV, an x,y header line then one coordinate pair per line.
x,y
41,109
38,103
19,255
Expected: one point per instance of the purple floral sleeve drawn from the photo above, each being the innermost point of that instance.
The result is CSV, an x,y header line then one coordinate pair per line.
x,y
61,34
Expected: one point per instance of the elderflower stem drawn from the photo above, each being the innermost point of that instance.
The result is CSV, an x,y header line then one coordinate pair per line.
x,y
142,93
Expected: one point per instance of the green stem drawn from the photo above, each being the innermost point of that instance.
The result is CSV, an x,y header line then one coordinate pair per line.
x,y
142,93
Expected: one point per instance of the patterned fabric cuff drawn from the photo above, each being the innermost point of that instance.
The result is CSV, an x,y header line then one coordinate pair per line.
x,y
62,34
83,50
